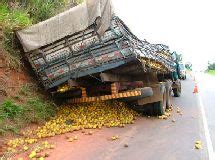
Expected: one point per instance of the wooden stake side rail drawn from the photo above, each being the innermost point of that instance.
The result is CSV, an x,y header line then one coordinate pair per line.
x,y
133,93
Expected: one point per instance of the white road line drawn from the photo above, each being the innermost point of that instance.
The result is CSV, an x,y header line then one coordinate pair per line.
x,y
211,153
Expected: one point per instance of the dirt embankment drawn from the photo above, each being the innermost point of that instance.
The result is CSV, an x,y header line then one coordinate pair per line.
x,y
10,83
10,80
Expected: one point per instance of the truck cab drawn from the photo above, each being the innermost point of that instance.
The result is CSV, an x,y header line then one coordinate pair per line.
x,y
182,71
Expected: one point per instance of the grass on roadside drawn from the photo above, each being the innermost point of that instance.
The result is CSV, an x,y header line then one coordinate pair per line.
x,y
15,115
10,21
211,72
19,14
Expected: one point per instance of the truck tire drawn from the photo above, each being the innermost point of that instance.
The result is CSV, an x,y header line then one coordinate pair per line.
x,y
160,106
177,91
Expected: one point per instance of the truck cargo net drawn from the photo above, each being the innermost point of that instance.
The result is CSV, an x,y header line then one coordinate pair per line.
x,y
86,53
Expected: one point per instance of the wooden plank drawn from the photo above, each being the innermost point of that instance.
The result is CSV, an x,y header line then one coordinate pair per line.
x,y
113,96
106,97
90,99
102,98
93,98
136,93
117,95
85,99
114,89
83,92
132,94
110,97
123,94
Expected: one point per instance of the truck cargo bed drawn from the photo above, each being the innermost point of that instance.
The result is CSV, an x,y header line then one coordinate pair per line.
x,y
86,53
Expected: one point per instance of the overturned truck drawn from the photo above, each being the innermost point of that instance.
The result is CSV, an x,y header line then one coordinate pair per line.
x,y
96,57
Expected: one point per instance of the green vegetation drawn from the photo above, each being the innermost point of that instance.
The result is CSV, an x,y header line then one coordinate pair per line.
x,y
10,110
37,10
32,109
18,14
40,10
10,21
15,18
211,72
38,110
211,68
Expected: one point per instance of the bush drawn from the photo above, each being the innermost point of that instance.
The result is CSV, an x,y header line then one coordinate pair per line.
x,y
211,66
37,110
40,10
12,20
10,110
14,116
20,14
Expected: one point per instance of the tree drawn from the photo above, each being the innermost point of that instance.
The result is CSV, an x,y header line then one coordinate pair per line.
x,y
188,66
211,66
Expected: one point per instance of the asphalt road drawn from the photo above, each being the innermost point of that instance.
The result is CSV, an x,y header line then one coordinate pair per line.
x,y
207,94
149,138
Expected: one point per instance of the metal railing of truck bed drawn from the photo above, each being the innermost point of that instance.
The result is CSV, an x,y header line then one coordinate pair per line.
x,y
86,53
